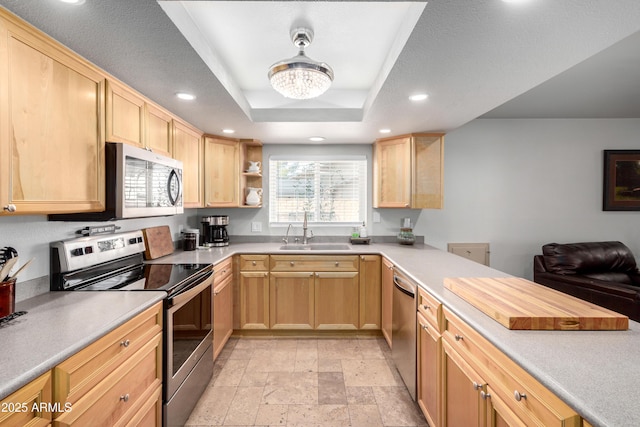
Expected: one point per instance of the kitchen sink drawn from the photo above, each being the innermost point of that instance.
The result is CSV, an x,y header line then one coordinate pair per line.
x,y
317,247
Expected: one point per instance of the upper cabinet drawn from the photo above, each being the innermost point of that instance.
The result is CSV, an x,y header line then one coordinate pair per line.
x,y
221,165
124,115
51,125
251,172
159,129
188,148
407,171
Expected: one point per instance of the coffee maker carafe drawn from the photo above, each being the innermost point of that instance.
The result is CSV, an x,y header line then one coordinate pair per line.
x,y
214,230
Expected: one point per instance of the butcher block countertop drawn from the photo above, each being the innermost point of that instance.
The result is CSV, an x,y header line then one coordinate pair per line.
x,y
518,303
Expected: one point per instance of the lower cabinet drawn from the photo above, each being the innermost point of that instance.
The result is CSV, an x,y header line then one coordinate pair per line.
x,y
337,298
387,300
253,292
429,367
291,300
370,292
222,305
115,380
483,387
28,406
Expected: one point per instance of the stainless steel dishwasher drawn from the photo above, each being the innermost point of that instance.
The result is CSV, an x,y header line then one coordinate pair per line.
x,y
403,332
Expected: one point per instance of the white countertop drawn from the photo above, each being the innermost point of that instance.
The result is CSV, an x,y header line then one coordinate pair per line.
x,y
594,372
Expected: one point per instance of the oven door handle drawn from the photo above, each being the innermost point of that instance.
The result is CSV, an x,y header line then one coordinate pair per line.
x,y
186,295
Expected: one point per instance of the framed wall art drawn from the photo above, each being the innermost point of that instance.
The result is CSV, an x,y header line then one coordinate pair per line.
x,y
621,180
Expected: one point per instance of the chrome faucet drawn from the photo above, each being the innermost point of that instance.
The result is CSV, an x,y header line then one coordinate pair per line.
x,y
285,239
305,239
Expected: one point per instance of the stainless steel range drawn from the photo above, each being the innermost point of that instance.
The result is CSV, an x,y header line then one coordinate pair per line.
x,y
114,262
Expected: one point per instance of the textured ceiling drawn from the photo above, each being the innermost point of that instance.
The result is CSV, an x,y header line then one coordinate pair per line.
x,y
544,58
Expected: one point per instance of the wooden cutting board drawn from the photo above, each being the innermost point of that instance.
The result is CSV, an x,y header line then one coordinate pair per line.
x,y
518,303
157,242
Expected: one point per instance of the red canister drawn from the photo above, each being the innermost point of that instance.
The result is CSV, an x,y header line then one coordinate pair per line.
x,y
7,298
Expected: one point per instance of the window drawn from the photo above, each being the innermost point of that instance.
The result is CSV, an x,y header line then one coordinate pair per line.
x,y
331,189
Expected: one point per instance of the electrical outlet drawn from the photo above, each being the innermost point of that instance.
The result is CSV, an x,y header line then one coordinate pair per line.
x,y
256,227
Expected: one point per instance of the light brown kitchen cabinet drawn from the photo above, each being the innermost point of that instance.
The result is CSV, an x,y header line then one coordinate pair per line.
x,y
125,110
29,405
51,125
408,171
116,379
253,292
188,148
370,292
250,151
222,304
507,394
337,296
429,356
221,164
158,126
387,300
291,296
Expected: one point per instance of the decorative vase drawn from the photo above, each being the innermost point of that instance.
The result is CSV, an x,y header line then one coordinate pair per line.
x,y
254,196
254,167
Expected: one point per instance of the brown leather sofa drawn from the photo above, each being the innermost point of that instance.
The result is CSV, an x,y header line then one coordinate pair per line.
x,y
604,273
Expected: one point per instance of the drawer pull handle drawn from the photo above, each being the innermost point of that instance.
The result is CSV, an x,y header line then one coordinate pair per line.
x,y
458,337
519,396
266,274
292,263
476,386
425,327
125,343
9,208
484,395
254,263
337,263
124,397
426,307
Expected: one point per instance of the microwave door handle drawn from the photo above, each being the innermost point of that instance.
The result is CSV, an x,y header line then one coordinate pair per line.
x,y
173,175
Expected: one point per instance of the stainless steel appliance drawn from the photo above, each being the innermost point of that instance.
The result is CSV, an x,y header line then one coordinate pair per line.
x,y
214,230
115,262
403,350
139,183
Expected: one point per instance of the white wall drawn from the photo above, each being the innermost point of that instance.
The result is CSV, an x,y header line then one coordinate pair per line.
x,y
519,184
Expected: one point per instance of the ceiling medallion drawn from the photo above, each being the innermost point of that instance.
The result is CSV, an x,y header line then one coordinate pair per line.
x,y
301,77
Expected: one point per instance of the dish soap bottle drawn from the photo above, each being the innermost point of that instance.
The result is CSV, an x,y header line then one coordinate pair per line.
x,y
363,230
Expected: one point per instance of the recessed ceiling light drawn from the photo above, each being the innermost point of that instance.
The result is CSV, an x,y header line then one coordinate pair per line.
x,y
316,139
385,130
185,96
74,2
419,97
228,131
515,1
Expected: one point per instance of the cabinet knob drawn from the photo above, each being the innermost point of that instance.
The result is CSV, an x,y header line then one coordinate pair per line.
x,y
425,306
406,205
485,395
337,264
458,337
125,343
477,386
266,274
254,263
10,208
519,396
124,397
425,327
292,263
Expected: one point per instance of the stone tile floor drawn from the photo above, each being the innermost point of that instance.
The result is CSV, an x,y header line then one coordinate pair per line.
x,y
306,382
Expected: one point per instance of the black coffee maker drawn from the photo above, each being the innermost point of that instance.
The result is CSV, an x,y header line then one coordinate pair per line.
x,y
214,230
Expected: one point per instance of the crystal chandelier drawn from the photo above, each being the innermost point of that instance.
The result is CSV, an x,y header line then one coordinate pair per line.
x,y
301,77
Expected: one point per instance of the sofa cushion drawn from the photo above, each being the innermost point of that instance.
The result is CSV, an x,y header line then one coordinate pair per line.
x,y
613,276
589,258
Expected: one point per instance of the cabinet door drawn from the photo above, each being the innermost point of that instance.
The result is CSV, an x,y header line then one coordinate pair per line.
x,y
429,368
427,171
254,300
124,115
51,127
462,404
222,314
392,173
387,300
336,300
498,412
158,126
187,147
16,409
221,164
291,295
370,292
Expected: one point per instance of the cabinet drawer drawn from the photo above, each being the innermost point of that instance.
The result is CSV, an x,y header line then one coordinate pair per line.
x,y
430,308
78,374
17,408
222,270
254,262
314,263
464,339
118,397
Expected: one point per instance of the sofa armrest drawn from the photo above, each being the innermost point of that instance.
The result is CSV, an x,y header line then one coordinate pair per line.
x,y
620,289
538,264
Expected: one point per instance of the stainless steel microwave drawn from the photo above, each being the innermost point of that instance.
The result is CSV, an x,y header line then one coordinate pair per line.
x,y
139,183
